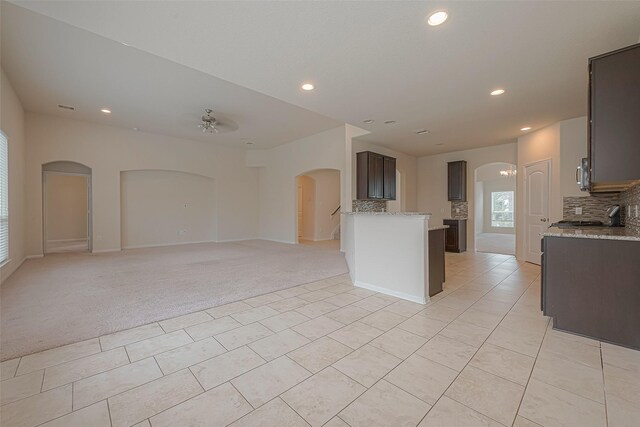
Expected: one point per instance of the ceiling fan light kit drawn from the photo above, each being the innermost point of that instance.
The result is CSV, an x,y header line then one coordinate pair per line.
x,y
210,124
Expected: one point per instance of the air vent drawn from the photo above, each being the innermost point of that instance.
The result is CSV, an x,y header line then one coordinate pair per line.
x,y
66,107
389,122
421,131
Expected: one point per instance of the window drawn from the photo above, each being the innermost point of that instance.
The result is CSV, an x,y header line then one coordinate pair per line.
x,y
4,198
502,209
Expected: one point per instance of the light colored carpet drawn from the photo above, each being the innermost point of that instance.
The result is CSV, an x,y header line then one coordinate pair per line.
x,y
65,298
496,243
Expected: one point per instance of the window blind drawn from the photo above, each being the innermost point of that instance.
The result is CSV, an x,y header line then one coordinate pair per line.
x,y
4,198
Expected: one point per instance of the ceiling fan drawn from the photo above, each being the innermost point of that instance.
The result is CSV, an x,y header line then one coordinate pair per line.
x,y
211,124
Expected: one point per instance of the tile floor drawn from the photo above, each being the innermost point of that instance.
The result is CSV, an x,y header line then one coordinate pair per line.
x,y
326,353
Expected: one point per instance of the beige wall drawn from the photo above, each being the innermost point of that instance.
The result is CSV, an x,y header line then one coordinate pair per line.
x,y
165,207
109,150
12,124
67,203
326,200
308,207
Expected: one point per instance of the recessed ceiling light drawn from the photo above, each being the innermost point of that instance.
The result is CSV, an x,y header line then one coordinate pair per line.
x,y
106,111
66,107
437,18
497,92
368,121
389,122
421,131
526,128
307,86
136,129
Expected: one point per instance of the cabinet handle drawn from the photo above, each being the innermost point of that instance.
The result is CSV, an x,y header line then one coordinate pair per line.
x,y
578,175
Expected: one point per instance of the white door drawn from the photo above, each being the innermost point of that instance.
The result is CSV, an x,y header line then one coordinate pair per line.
x,y
536,182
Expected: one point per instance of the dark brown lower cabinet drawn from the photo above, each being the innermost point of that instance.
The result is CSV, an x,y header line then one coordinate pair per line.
x,y
456,235
436,261
591,287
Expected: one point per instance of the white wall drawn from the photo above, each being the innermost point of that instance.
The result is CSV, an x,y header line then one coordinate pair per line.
x,y
478,209
432,181
307,221
67,204
165,207
12,124
109,150
326,200
573,147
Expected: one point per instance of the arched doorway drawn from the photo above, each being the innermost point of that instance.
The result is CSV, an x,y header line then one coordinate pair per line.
x,y
494,208
318,207
66,203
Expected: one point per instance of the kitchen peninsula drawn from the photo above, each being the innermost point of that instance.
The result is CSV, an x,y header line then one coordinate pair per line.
x,y
391,253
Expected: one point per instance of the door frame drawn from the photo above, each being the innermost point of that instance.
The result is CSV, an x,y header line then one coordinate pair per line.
x,y
525,193
89,208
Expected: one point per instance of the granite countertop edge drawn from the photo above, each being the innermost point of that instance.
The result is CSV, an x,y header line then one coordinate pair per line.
x,y
604,233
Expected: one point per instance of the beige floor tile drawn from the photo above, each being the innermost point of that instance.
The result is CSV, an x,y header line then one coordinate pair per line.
x,y
322,396
398,342
348,314
225,367
288,304
550,406
255,314
372,303
37,409
619,362
340,288
457,302
317,285
576,351
319,354
441,313
152,398
504,363
491,306
570,376
284,321
149,347
405,308
56,356
316,309
481,318
383,320
628,389
316,295
343,299
367,365
622,413
276,413
361,292
446,351
274,346
242,336
571,337
188,355
122,338
385,405
523,422
98,387
292,292
356,334
449,413
423,326
75,370
523,342
228,309
212,327
20,387
96,415
466,333
144,423
268,381
336,422
318,327
182,322
422,378
488,394
263,300
518,322
8,368
216,407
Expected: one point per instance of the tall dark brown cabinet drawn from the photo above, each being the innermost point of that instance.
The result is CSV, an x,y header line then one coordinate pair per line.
x,y
457,181
456,235
614,124
376,176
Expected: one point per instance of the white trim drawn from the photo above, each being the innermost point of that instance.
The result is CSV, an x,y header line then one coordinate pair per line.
x,y
79,239
102,251
288,242
159,245
237,240
386,291
34,256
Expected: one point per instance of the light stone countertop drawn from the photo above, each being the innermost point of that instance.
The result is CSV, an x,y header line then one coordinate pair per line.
x,y
608,233
438,227
389,213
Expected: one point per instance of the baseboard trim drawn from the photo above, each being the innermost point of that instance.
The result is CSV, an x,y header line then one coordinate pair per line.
x,y
83,239
104,251
161,245
33,257
385,291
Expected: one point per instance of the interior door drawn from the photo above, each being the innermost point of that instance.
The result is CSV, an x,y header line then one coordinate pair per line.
x,y
536,183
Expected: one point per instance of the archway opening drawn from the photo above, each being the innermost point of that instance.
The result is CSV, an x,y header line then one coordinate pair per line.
x,y
318,208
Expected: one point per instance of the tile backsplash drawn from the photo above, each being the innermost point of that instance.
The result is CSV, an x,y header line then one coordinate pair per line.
x,y
459,210
631,197
369,205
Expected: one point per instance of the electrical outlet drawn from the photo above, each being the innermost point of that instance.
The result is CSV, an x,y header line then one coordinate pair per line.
x,y
578,211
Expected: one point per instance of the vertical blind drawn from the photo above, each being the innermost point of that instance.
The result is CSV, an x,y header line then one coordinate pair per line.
x,y
4,198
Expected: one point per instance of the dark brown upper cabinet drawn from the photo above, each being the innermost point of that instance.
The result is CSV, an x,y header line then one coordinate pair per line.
x,y
376,176
614,119
457,181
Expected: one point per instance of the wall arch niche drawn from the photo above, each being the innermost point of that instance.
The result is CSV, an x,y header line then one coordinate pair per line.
x,y
317,205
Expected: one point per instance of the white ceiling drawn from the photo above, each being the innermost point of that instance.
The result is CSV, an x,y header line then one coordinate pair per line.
x,y
50,63
380,60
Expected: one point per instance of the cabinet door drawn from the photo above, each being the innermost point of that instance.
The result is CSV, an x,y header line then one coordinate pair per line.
x,y
376,176
451,235
389,178
614,109
457,181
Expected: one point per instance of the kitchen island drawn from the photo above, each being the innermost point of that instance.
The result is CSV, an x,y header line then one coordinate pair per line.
x,y
388,252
